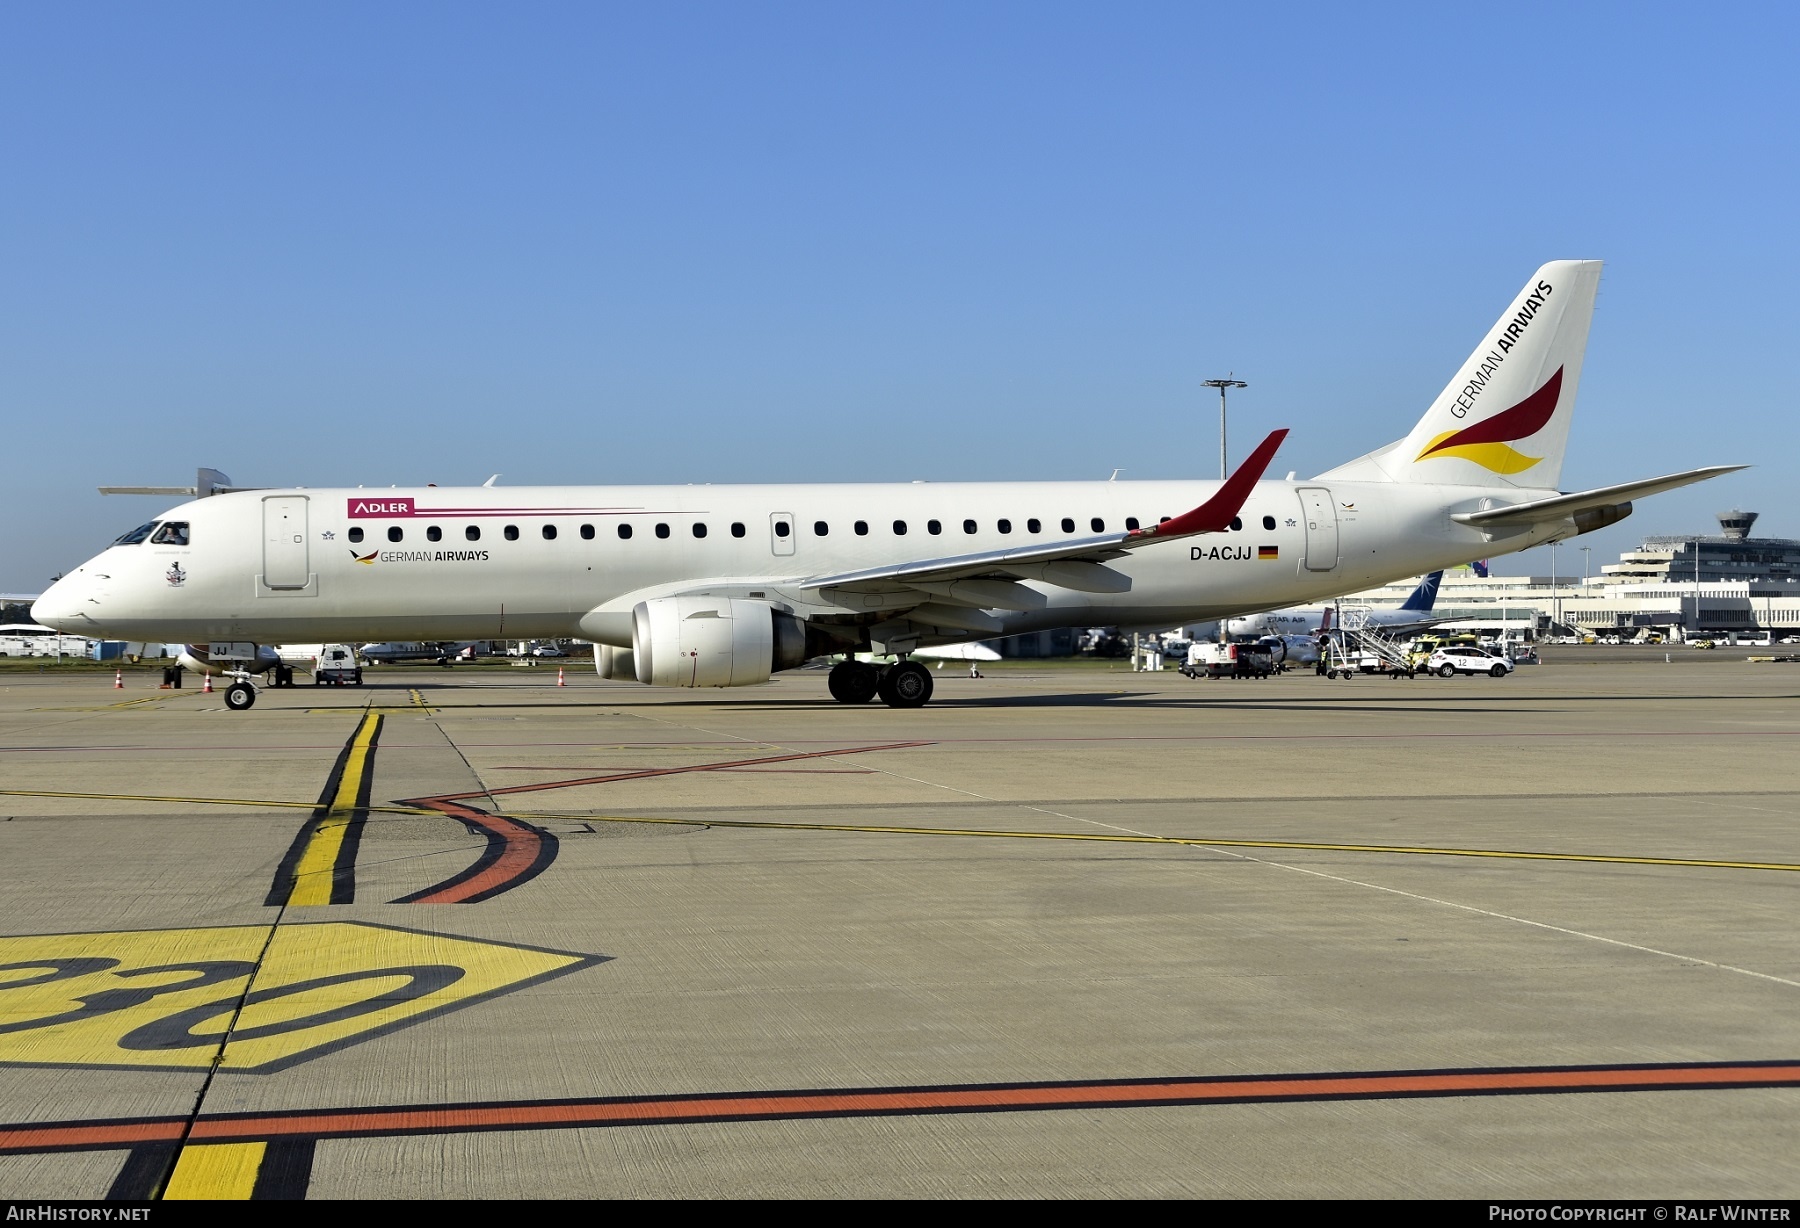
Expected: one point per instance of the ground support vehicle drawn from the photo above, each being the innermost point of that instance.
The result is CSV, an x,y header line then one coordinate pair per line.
x,y
1449,662
336,666
1210,660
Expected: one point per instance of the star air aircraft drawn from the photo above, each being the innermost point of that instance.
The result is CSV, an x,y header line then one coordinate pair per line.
x,y
720,586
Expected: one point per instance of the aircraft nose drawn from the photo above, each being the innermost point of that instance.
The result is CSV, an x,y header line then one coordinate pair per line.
x,y
56,606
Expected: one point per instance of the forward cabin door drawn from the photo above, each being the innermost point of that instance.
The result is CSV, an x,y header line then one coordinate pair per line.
x,y
1320,515
285,563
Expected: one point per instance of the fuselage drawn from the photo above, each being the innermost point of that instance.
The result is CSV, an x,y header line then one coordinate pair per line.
x,y
441,563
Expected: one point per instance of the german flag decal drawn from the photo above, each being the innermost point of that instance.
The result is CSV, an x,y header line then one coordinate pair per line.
x,y
1268,552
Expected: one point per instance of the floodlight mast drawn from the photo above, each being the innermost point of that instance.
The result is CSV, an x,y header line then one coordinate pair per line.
x,y
1222,385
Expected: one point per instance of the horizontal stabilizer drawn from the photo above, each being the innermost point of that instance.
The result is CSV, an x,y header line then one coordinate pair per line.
x,y
206,482
1562,507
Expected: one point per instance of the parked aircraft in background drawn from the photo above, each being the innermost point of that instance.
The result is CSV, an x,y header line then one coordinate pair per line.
x,y
443,653
1409,615
715,586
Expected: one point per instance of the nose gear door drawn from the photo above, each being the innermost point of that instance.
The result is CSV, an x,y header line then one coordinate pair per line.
x,y
1320,514
285,564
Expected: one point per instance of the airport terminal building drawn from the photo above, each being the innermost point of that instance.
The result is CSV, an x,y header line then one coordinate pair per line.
x,y
1721,584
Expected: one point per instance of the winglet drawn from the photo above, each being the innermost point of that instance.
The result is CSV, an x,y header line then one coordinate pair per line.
x,y
1219,511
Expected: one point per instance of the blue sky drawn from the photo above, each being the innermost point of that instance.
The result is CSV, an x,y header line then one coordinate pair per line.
x,y
340,244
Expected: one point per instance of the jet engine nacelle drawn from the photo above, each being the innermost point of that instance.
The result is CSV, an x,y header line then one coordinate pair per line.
x,y
205,659
713,641
614,663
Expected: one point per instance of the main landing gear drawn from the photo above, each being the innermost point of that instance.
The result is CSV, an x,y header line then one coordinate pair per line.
x,y
905,685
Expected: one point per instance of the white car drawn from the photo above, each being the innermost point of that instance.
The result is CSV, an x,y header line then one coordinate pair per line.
x,y
1448,662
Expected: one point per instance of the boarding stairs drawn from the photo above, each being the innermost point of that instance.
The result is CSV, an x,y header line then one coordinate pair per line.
x,y
1356,640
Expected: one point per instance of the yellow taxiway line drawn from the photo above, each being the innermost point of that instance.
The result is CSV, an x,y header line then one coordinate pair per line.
x,y
315,870
1188,841
216,1171
998,834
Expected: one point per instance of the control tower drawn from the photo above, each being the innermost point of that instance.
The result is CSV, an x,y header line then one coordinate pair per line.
x,y
1735,525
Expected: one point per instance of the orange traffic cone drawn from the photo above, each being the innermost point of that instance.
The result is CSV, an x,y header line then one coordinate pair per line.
x,y
118,680
206,687
559,677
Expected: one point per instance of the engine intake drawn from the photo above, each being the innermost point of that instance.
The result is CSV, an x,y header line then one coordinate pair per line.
x,y
713,641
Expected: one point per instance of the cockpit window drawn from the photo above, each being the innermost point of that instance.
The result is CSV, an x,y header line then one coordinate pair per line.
x,y
137,535
173,533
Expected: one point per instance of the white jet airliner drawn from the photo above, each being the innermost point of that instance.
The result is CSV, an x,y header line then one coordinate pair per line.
x,y
713,586
1305,621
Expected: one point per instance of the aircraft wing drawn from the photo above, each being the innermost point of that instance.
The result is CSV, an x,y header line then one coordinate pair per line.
x,y
1560,507
987,579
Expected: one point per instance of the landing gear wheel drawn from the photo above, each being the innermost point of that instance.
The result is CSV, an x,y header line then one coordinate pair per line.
x,y
853,682
906,685
1446,671
239,696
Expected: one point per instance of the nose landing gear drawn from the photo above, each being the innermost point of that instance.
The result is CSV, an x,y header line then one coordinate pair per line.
x,y
241,694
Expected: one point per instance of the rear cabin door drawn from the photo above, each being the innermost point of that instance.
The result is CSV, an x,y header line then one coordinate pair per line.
x,y
284,542
781,532
1321,528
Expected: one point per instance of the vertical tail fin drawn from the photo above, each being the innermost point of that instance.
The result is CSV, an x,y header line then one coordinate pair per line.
x,y
1425,596
1504,419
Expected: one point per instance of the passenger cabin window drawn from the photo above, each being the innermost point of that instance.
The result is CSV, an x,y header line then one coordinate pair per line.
x,y
587,532
662,530
1034,525
473,532
1268,522
512,533
737,528
699,529
395,533
861,527
968,526
934,527
624,532
1131,522
549,532
1099,524
899,528
1237,524
356,533
1068,525
173,533
1005,526
820,528
782,528
137,535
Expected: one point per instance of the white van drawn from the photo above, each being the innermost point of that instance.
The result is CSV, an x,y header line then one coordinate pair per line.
x,y
336,665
